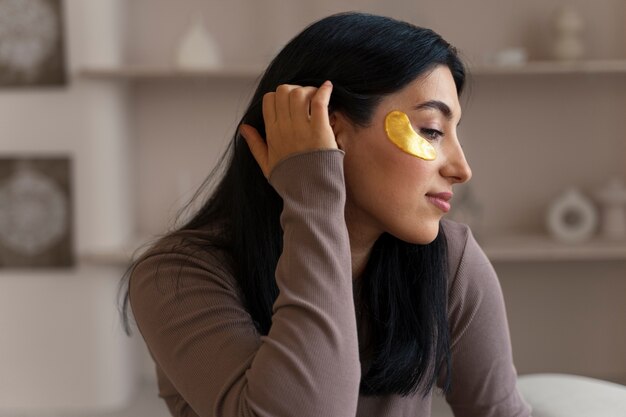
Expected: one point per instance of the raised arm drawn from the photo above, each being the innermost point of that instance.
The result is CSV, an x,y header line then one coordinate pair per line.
x,y
211,360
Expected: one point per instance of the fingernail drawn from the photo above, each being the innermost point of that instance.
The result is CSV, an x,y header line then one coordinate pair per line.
x,y
327,83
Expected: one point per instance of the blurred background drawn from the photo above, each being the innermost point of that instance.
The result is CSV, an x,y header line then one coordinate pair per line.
x,y
114,111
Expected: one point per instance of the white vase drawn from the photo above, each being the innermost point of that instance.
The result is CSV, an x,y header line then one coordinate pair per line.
x,y
572,218
197,49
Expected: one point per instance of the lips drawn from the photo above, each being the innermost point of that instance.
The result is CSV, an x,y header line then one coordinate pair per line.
x,y
440,200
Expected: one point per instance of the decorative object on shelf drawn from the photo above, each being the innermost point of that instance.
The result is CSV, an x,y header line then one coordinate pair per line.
x,y
568,27
35,212
613,202
197,49
511,56
31,43
466,209
572,217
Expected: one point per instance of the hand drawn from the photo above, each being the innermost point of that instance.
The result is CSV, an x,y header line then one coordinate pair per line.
x,y
296,120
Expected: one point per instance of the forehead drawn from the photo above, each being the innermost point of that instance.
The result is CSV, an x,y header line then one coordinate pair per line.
x,y
437,84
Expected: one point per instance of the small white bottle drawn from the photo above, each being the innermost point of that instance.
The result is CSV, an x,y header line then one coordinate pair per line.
x,y
612,199
568,27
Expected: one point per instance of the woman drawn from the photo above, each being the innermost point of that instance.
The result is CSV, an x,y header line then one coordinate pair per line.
x,y
319,278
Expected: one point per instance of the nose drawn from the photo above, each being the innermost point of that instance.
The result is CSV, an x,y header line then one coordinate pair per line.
x,y
456,168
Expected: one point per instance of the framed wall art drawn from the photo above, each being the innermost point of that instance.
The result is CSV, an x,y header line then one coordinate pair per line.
x,y
35,212
32,51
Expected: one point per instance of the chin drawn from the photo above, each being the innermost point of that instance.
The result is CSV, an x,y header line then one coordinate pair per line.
x,y
422,235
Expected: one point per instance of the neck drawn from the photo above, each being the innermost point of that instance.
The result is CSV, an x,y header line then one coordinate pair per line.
x,y
362,241
360,255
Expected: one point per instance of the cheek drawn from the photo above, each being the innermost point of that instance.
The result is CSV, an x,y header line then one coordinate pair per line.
x,y
388,190
386,176
411,172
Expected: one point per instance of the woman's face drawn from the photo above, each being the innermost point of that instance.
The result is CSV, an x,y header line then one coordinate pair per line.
x,y
389,190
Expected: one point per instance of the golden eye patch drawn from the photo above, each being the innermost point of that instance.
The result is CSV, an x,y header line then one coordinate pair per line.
x,y
401,134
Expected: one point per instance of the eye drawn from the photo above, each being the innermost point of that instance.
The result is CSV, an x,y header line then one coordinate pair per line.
x,y
431,134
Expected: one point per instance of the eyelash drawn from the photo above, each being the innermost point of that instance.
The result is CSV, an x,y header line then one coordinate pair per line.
x,y
432,134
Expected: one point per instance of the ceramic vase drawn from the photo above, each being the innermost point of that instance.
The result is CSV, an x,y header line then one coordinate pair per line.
x,y
197,49
572,217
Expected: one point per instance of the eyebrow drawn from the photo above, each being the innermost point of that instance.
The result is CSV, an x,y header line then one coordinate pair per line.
x,y
436,105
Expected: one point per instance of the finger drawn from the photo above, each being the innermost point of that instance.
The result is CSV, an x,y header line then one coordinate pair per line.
x,y
319,105
300,104
282,101
257,146
269,108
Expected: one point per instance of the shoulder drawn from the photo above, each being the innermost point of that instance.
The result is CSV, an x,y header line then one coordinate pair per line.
x,y
197,243
473,284
189,246
464,252
457,236
177,261
471,276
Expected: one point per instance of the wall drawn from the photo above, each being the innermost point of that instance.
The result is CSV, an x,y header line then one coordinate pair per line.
x,y
62,348
567,317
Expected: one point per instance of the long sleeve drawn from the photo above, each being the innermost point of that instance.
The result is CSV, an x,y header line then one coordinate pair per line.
x,y
483,375
210,359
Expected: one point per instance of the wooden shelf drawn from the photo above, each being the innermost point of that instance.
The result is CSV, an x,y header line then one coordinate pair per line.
x,y
514,248
617,66
138,73
543,248
118,258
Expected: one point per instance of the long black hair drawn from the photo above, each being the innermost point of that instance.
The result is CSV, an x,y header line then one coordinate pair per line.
x,y
402,294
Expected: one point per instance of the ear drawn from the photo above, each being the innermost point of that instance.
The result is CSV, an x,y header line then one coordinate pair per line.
x,y
339,124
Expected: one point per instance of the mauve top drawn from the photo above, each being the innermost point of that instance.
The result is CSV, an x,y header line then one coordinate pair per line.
x,y
211,361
